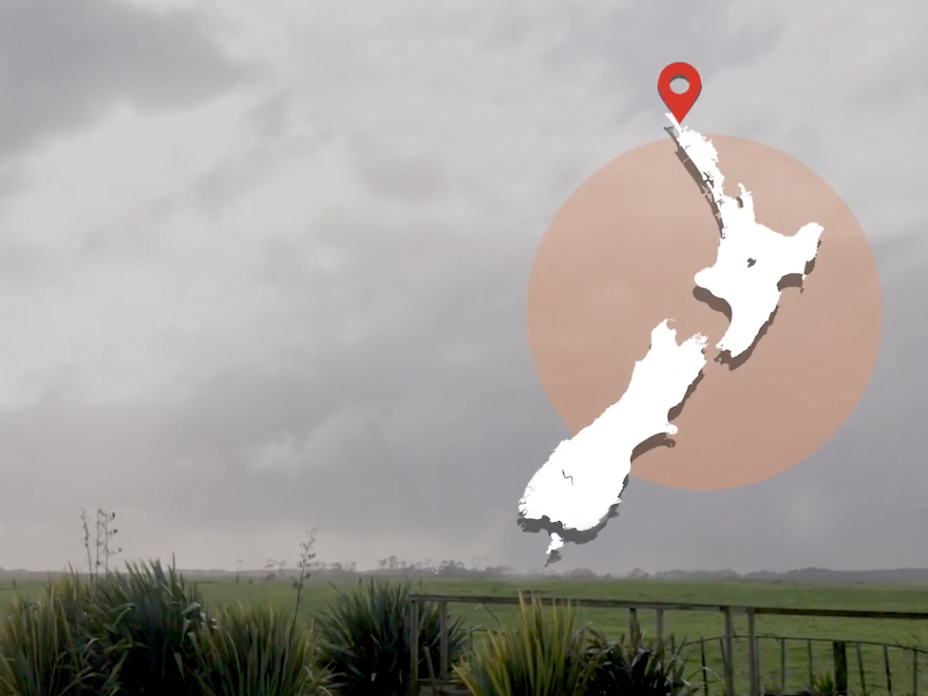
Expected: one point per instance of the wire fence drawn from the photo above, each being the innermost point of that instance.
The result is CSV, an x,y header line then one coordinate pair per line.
x,y
750,663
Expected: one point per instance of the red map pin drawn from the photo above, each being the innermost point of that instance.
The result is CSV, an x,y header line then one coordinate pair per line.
x,y
679,104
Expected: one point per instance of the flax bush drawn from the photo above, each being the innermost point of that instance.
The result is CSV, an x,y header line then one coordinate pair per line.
x,y
363,639
542,654
132,632
48,647
636,666
257,652
149,618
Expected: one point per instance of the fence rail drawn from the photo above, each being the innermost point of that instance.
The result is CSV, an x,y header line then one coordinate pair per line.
x,y
729,643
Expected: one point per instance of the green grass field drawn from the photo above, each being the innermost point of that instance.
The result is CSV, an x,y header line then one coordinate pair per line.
x,y
692,625
683,625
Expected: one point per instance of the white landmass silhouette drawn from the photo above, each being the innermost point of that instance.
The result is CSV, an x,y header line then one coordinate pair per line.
x,y
583,480
752,259
586,474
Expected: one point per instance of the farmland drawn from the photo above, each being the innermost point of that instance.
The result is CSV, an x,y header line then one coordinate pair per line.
x,y
682,625
688,625
319,593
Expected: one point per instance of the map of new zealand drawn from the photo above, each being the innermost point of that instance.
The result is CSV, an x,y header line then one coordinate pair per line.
x,y
580,486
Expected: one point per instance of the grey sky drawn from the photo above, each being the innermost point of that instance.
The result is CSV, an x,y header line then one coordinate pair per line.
x,y
263,267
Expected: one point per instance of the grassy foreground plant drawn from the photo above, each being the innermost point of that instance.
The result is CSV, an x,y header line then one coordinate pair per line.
x,y
153,616
823,685
256,652
47,647
543,654
363,639
636,666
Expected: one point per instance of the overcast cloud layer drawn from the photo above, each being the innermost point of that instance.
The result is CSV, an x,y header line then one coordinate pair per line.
x,y
263,267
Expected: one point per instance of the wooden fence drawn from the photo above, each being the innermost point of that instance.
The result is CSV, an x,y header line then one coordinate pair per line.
x,y
726,642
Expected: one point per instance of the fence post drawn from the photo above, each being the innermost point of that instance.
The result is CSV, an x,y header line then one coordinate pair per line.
x,y
860,668
413,647
443,641
633,623
811,664
728,656
839,655
914,672
702,657
782,665
753,675
659,620
889,675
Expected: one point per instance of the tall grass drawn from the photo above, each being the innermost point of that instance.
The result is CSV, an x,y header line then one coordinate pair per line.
x,y
542,654
46,646
637,666
151,617
256,652
146,631
364,639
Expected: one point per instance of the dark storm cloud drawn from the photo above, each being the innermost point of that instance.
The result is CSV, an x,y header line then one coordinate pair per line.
x,y
446,423
450,449
424,444
415,410
64,61
419,387
702,34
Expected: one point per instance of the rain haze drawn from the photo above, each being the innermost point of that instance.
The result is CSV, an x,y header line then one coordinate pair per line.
x,y
263,268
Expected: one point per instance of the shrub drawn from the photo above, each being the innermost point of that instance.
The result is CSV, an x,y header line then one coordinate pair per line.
x,y
148,619
145,632
543,654
636,666
255,652
363,639
46,646
823,685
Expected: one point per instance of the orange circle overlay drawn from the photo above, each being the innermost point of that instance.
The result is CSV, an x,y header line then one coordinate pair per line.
x,y
619,258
